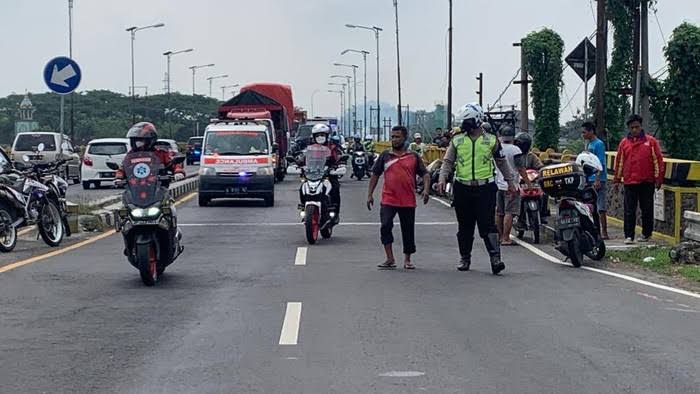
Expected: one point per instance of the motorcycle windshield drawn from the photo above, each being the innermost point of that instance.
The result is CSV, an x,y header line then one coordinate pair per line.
x,y
141,170
316,157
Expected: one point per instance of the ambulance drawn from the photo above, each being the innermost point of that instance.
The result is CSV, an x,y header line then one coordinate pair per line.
x,y
237,163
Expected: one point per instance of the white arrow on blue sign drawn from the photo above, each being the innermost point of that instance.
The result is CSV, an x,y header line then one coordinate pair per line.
x,y
62,75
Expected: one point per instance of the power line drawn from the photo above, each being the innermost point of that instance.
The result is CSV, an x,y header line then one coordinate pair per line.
x,y
510,83
660,29
590,2
571,100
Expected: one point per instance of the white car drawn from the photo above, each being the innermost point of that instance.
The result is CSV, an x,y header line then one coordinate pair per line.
x,y
94,168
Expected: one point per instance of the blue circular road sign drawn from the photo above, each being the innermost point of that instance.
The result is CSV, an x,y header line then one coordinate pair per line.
x,y
62,75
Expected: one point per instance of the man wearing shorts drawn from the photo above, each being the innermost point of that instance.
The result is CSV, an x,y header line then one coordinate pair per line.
x,y
508,204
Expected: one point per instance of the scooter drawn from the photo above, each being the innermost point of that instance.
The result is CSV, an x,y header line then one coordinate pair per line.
x,y
147,221
530,206
315,208
578,225
359,165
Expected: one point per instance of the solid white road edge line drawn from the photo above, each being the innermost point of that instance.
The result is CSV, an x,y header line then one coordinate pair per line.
x,y
290,327
628,278
301,256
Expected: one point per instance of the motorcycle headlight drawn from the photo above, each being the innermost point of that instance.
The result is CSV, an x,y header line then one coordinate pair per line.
x,y
266,171
207,170
145,213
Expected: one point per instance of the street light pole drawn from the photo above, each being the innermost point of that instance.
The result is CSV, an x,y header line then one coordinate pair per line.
x,y
449,78
223,90
169,54
376,31
364,58
133,31
194,71
398,59
312,101
70,55
211,80
349,98
342,100
354,78
344,115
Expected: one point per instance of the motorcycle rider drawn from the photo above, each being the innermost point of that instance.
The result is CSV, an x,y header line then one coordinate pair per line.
x,y
471,155
142,138
523,141
417,145
320,135
356,145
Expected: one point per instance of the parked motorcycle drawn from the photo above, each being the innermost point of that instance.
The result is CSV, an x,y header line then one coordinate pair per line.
x,y
359,165
315,208
147,221
32,194
530,206
578,224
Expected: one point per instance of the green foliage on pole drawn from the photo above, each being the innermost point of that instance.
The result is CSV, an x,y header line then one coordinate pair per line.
x,y
677,102
543,52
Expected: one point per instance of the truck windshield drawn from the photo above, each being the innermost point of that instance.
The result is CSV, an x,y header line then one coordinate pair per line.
x,y
236,143
304,131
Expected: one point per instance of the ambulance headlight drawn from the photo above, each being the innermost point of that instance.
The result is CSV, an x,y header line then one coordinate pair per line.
x,y
207,170
266,171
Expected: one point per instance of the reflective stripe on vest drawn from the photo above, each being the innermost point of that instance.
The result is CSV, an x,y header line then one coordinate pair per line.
x,y
474,157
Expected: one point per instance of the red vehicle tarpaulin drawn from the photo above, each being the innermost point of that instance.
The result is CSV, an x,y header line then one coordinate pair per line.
x,y
263,96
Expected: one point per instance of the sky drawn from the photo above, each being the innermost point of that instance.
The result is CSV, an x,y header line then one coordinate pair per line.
x,y
297,42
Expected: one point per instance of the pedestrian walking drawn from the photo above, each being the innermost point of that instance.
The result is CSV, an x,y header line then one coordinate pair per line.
x,y
640,167
399,167
599,180
508,204
474,155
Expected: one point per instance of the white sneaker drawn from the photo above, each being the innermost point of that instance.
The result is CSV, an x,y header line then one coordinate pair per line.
x,y
644,239
629,241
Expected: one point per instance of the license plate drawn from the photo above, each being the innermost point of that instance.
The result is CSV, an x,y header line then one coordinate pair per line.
x,y
550,172
359,161
570,221
107,174
236,190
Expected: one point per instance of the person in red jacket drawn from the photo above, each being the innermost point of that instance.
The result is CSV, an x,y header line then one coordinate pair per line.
x,y
640,166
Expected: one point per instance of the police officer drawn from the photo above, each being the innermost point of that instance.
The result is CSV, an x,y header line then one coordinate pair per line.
x,y
474,155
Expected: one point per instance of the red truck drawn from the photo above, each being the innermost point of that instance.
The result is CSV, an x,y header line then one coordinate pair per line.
x,y
275,99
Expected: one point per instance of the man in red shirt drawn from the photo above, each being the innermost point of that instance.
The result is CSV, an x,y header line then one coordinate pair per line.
x,y
400,168
640,166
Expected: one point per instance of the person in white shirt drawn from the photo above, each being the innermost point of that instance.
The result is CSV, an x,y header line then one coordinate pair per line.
x,y
507,203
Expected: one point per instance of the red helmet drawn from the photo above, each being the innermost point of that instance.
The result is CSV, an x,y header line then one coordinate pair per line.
x,y
142,136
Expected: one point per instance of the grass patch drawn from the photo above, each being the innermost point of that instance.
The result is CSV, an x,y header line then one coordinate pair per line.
x,y
661,262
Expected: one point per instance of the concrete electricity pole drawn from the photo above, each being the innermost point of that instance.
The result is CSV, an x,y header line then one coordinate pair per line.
x,y
524,83
601,69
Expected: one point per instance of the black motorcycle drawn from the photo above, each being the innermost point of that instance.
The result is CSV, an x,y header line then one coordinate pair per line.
x,y
359,164
578,223
147,221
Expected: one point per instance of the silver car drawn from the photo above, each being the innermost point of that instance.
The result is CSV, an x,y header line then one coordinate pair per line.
x,y
55,148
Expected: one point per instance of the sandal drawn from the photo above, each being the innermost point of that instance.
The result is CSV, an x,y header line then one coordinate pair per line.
x,y
387,265
409,266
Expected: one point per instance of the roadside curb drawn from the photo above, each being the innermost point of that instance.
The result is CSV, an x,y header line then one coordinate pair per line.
x,y
107,214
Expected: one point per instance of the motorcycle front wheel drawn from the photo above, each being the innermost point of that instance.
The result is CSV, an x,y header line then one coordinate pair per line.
x,y
8,237
312,223
598,251
51,224
534,219
146,256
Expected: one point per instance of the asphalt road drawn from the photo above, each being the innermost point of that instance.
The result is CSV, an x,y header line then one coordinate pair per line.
x,y
78,195
83,322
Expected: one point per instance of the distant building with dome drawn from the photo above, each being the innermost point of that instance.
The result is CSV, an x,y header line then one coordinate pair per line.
x,y
25,116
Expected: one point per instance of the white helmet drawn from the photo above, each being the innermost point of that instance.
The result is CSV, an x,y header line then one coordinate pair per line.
x,y
472,114
589,162
320,133
417,135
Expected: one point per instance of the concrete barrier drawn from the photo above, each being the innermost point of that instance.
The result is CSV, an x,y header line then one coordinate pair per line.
x,y
692,230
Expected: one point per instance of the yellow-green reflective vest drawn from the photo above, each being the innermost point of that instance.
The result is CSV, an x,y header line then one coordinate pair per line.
x,y
474,157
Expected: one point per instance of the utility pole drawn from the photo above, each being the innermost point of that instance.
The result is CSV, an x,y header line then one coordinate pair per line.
x,y
449,75
644,98
601,68
635,59
70,55
398,58
524,83
480,92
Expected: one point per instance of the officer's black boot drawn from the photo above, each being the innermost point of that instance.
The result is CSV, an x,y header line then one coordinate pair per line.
x,y
494,248
464,263
465,251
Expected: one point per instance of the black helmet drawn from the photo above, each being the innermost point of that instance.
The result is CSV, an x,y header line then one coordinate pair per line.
x,y
507,133
142,132
523,141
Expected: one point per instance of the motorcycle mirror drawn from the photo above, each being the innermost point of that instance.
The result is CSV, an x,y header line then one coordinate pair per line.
x,y
25,158
112,166
41,147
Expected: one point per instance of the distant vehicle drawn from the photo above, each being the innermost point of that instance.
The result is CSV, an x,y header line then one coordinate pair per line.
x,y
169,146
194,150
302,138
54,150
94,169
277,100
236,163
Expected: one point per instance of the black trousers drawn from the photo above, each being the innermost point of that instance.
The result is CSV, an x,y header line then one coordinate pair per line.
x,y
335,192
475,205
642,194
407,217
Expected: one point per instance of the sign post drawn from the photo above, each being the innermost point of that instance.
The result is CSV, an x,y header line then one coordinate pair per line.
x,y
62,75
582,60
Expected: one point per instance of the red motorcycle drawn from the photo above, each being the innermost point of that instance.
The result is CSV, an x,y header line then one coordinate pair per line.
x,y
530,204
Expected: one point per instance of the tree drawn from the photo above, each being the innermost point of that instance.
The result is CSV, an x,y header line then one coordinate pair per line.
x,y
677,101
543,61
